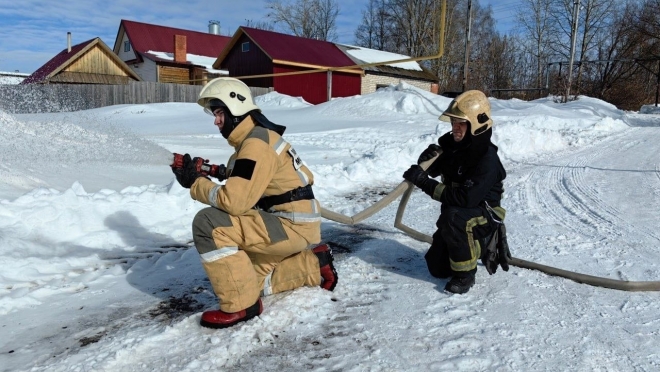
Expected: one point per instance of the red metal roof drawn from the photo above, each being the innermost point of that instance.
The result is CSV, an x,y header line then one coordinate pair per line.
x,y
145,37
54,63
297,49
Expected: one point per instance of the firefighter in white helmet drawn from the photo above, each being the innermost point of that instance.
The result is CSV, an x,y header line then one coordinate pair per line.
x,y
261,232
470,225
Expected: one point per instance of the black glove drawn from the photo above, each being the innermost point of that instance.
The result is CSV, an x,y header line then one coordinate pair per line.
x,y
503,252
221,173
429,153
420,178
497,251
187,174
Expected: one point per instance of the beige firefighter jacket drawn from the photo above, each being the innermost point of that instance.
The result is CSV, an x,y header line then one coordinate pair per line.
x,y
263,164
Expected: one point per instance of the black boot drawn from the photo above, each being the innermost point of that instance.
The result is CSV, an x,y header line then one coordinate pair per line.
x,y
460,284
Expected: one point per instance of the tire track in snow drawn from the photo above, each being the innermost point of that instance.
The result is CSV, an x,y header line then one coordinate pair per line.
x,y
575,203
572,203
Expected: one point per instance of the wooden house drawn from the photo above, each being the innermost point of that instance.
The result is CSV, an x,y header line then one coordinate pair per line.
x,y
260,52
90,62
169,55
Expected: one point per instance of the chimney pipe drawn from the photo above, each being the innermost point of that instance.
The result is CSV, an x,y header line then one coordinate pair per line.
x,y
214,27
68,42
180,48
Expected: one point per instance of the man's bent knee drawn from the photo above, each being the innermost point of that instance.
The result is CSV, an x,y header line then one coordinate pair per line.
x,y
205,221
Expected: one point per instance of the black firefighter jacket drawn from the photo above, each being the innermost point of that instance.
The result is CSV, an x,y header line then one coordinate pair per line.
x,y
471,172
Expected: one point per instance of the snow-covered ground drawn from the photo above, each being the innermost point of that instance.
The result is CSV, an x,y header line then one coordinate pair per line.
x,y
98,272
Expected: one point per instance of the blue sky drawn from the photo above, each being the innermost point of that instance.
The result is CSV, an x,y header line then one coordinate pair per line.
x,y
33,31
504,13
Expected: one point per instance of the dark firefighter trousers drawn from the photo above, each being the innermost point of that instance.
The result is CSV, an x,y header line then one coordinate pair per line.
x,y
458,241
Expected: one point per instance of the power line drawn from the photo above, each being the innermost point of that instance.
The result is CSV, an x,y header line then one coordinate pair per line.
x,y
505,8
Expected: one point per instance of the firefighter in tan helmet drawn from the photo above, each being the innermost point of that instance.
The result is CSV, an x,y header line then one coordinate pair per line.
x,y
261,232
470,226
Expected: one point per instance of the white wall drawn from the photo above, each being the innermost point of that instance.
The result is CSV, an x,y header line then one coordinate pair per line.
x,y
148,71
126,56
370,82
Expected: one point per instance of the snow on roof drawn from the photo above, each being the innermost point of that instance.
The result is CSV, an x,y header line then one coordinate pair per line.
x,y
12,73
206,62
372,56
11,79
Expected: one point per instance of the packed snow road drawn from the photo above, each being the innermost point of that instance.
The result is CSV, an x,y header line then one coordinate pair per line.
x,y
597,206
593,211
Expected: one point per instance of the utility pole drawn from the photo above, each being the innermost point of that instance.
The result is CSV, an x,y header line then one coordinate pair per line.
x,y
467,45
657,87
576,12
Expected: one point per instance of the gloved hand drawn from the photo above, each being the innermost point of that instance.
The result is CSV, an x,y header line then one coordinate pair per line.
x,y
187,174
221,173
497,252
430,152
420,178
503,252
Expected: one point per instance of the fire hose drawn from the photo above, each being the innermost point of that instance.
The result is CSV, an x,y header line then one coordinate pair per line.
x,y
406,188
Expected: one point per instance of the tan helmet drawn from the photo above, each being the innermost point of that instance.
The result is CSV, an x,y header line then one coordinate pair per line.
x,y
232,92
472,106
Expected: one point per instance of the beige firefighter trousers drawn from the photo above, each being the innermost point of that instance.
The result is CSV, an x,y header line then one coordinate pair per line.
x,y
251,255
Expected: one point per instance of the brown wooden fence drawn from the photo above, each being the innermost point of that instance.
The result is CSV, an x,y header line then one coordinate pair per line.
x,y
33,98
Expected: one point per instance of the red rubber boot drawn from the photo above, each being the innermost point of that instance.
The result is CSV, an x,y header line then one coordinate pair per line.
x,y
220,319
328,273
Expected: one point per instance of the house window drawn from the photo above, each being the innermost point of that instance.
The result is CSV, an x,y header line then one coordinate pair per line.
x,y
245,47
127,46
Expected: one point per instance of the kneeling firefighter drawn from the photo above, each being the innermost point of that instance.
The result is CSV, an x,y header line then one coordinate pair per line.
x,y
470,225
261,232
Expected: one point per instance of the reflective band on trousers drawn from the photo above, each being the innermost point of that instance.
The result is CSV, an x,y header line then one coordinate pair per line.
x,y
218,254
475,246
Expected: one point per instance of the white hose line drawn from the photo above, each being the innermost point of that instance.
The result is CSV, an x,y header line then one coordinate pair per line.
x,y
406,188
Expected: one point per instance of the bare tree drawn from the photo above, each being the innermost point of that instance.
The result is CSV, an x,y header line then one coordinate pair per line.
x,y
597,15
618,79
314,19
595,20
326,17
261,25
648,25
373,32
483,48
449,68
535,23
412,23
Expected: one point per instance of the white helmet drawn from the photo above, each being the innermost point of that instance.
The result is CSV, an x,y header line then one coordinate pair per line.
x,y
472,106
233,93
